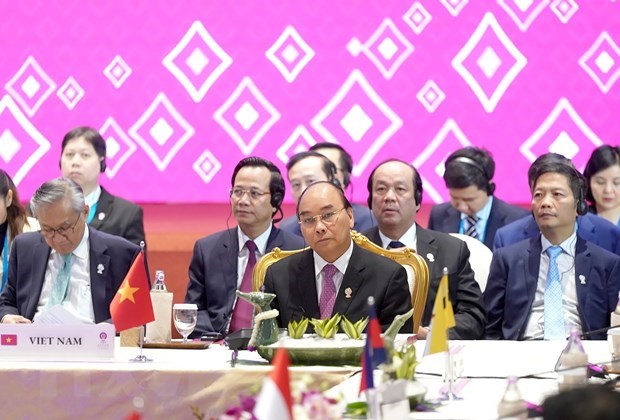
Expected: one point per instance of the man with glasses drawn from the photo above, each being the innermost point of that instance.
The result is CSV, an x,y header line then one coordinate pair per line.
x,y
66,263
222,262
335,275
395,196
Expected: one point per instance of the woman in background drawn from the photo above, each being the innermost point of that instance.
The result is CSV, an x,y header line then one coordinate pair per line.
x,y
603,183
13,221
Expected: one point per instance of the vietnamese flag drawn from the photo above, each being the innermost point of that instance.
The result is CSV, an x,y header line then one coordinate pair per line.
x,y
275,400
8,339
132,305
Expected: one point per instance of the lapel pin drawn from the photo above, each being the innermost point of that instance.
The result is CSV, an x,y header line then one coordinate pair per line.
x,y
100,268
430,257
582,279
101,216
347,293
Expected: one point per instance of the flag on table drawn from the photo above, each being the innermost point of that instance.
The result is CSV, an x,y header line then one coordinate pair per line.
x,y
374,353
442,319
132,305
275,400
8,340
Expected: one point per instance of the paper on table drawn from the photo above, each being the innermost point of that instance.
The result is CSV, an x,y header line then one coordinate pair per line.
x,y
59,314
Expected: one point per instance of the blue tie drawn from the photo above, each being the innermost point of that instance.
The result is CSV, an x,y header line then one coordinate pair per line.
x,y
59,289
554,310
395,244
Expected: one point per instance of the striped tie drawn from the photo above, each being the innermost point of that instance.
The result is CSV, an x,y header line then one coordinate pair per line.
x,y
471,227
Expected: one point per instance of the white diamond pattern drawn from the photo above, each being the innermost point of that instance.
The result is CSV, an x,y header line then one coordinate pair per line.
x,y
290,54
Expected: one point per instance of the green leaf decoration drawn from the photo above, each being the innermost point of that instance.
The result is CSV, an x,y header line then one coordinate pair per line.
x,y
405,362
297,329
326,328
353,331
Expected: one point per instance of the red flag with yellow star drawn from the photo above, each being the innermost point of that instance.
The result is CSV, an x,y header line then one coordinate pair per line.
x,y
132,305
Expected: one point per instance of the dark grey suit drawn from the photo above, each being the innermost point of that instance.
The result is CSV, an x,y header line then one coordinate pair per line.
x,y
213,275
293,280
119,217
442,250
28,263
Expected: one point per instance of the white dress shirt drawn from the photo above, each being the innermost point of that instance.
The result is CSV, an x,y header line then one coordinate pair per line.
x,y
409,238
244,253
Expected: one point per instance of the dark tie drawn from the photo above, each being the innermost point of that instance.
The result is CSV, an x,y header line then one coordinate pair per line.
x,y
328,293
395,244
471,227
242,314
554,310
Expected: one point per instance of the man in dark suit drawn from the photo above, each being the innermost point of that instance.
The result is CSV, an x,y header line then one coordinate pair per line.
x,y
65,263
544,286
395,195
83,160
220,261
590,227
473,209
335,275
305,168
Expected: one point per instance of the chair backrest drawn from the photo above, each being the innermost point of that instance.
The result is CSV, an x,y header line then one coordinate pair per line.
x,y
417,270
480,258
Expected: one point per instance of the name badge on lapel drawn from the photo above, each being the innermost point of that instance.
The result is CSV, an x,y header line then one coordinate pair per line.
x,y
582,279
100,269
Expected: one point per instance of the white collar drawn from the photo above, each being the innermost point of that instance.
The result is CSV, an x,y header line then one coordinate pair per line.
x,y
341,262
260,241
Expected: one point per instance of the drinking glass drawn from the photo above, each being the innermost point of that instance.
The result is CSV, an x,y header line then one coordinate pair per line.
x,y
185,316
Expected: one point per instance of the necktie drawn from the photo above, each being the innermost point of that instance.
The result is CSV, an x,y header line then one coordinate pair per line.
x,y
60,286
395,244
243,312
471,226
328,294
554,310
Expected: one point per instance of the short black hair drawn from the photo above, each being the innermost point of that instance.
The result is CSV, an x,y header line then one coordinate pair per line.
x,y
556,163
346,161
417,182
90,135
345,201
602,157
328,167
596,401
470,166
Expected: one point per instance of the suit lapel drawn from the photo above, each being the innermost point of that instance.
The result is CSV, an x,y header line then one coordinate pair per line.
x,y
104,207
228,253
100,273
351,282
428,250
303,291
583,268
496,220
452,221
40,258
532,268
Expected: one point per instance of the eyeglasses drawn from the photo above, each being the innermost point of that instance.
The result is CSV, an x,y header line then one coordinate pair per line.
x,y
50,233
327,218
254,193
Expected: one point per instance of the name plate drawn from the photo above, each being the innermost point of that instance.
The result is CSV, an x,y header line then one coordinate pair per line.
x,y
45,342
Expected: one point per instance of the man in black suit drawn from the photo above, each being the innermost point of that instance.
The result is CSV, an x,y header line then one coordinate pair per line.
x,y
83,160
65,263
395,195
473,209
220,261
335,275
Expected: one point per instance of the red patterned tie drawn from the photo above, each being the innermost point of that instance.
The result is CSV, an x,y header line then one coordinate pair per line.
x,y
328,294
242,314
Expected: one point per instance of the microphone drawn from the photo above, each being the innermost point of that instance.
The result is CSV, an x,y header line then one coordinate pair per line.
x,y
600,330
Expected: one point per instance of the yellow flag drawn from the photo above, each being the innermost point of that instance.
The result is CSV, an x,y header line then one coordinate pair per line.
x,y
442,320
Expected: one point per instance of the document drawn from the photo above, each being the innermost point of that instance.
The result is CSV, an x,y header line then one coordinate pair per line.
x,y
59,314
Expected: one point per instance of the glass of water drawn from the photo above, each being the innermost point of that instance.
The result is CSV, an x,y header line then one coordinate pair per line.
x,y
185,316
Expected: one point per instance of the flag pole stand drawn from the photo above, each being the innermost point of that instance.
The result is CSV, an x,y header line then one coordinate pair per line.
x,y
141,358
373,404
449,394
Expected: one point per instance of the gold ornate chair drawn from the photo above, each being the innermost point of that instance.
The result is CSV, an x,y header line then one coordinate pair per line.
x,y
417,270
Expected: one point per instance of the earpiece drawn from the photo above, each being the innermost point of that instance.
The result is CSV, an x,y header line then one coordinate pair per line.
x,y
102,165
417,184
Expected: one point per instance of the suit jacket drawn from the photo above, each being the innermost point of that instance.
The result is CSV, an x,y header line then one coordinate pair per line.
x,y
590,227
119,217
28,263
293,280
213,276
514,270
441,250
445,218
362,217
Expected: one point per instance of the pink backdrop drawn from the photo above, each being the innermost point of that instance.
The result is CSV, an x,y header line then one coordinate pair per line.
x,y
182,90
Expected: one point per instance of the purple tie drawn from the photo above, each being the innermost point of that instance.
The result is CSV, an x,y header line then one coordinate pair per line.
x,y
242,314
328,294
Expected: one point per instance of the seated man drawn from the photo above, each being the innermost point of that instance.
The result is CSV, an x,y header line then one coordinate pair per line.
x,y
473,209
394,196
222,262
542,287
83,159
65,263
306,168
336,275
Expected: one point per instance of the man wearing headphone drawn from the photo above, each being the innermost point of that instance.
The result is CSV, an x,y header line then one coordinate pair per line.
x,y
541,288
472,210
82,160
306,168
395,196
222,262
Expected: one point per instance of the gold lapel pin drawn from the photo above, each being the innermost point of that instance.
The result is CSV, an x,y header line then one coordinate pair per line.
x,y
347,292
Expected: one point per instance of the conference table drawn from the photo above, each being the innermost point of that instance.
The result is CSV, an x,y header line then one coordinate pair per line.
x,y
179,379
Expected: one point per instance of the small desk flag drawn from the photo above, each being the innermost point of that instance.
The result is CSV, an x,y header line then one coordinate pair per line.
x,y
132,305
275,400
374,352
442,319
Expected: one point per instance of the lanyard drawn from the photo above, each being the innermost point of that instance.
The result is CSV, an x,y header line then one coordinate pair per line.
x,y
5,260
